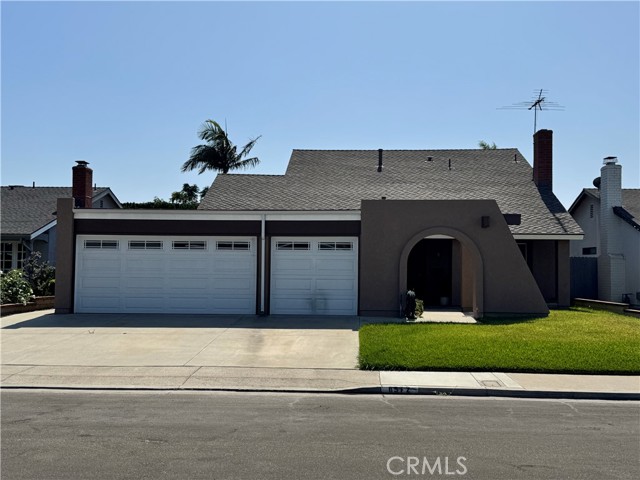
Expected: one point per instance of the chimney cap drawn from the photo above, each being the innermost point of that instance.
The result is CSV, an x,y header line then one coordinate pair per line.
x,y
610,160
82,163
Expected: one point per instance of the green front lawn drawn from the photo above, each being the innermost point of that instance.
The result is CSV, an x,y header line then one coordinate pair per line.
x,y
578,340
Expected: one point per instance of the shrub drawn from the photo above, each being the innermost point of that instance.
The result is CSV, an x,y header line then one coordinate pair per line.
x,y
419,307
14,288
40,275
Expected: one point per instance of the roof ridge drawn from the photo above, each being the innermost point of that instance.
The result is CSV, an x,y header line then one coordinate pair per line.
x,y
399,149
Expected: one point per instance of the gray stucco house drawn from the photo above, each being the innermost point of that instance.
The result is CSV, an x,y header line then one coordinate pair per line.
x,y
29,218
609,253
342,232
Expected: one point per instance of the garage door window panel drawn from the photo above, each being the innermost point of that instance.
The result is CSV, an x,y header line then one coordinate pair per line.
x,y
145,245
102,244
189,245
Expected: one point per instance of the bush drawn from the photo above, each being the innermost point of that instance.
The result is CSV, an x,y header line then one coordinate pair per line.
x,y
419,307
40,275
14,288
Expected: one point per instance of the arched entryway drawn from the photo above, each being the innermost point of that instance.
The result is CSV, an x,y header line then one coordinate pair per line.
x,y
444,267
434,272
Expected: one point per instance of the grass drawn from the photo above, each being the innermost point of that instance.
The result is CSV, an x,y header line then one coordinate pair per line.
x,y
578,340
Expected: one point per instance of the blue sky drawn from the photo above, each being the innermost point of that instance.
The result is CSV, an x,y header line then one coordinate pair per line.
x,y
126,86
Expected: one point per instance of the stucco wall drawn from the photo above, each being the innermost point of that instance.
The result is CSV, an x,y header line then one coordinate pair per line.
x,y
492,262
590,226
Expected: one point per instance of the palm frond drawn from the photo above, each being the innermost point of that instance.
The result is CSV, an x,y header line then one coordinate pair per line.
x,y
247,148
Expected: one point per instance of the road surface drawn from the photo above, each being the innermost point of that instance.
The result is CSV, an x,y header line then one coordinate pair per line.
x,y
112,435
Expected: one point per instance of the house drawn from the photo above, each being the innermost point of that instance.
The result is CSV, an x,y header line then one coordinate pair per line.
x,y
607,259
29,215
342,232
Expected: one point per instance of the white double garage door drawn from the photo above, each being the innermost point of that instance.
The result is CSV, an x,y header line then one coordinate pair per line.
x,y
214,275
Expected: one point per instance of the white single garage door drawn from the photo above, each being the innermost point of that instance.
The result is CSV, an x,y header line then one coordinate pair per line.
x,y
127,274
314,276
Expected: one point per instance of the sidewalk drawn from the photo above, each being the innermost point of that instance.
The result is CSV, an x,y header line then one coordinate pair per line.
x,y
243,353
310,380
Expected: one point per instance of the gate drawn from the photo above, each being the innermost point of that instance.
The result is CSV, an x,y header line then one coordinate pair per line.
x,y
584,277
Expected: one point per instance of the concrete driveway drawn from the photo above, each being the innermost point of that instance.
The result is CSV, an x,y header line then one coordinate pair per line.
x,y
42,338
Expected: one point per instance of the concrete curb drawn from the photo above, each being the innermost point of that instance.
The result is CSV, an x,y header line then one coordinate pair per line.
x,y
405,391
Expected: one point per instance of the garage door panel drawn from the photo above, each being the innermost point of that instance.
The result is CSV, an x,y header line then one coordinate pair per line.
x,y
335,266
101,301
293,284
200,284
188,302
145,282
100,282
200,265
104,265
292,305
186,280
337,286
317,281
231,285
288,264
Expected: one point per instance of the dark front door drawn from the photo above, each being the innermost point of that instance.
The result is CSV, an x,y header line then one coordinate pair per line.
x,y
429,271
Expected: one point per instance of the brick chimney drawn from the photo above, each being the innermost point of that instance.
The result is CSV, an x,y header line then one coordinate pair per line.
x,y
81,186
543,159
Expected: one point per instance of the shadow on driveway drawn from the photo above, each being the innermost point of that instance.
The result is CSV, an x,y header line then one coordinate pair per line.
x,y
298,322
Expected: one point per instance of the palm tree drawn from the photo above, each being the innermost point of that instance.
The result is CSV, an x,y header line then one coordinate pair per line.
x,y
219,153
188,194
486,146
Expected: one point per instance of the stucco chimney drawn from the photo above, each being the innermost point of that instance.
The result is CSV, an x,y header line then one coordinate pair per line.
x,y
611,264
81,186
543,159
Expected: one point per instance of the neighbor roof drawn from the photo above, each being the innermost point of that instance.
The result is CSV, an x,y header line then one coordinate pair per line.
x,y
630,211
26,209
341,179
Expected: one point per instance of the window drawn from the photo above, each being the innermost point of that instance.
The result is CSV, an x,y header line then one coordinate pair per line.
x,y
590,251
293,246
189,245
245,246
591,211
6,256
22,255
145,245
340,246
102,244
12,255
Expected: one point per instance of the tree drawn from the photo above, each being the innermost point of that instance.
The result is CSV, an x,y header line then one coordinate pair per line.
x,y
188,194
203,192
485,146
219,153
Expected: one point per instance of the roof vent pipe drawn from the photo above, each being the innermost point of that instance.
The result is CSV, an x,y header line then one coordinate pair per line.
x,y
379,160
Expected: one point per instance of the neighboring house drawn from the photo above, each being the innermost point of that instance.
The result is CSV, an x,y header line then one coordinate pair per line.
x,y
29,216
607,260
342,232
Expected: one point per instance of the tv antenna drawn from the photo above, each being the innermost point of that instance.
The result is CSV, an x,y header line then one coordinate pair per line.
x,y
538,100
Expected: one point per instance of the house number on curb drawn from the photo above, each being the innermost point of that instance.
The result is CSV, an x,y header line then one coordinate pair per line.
x,y
399,389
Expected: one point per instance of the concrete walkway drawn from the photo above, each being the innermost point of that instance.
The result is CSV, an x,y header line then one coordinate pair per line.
x,y
40,350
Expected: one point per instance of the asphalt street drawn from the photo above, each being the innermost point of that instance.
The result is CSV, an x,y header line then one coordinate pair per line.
x,y
186,435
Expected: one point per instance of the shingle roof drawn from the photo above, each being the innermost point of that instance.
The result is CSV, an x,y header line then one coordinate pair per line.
x,y
340,179
26,209
630,199
630,211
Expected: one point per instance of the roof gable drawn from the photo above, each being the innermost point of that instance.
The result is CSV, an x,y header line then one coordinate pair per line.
x,y
27,209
